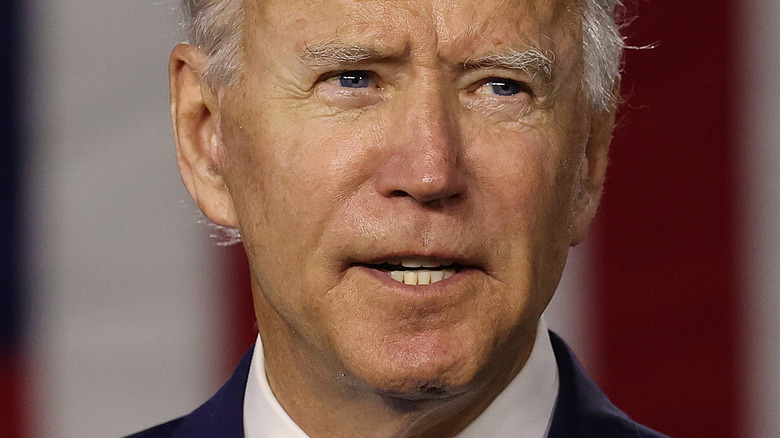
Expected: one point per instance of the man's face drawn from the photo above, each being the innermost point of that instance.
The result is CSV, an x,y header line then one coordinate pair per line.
x,y
368,133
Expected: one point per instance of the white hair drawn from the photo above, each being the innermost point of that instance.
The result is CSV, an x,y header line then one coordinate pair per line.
x,y
602,50
216,27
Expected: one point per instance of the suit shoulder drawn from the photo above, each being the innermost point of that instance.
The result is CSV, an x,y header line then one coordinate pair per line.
x,y
160,431
221,416
619,426
582,409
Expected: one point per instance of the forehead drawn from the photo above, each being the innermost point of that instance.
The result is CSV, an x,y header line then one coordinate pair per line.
x,y
452,28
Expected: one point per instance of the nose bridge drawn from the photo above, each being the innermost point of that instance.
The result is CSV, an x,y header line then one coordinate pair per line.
x,y
431,119
426,143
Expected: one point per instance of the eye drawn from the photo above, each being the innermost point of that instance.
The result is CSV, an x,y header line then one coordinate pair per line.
x,y
503,87
354,79
350,89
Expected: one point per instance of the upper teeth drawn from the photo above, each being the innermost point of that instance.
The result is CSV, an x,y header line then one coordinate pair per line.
x,y
420,276
418,263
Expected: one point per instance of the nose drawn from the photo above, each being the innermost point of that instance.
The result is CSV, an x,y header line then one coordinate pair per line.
x,y
425,150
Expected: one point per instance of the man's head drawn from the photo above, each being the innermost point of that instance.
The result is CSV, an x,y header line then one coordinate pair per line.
x,y
362,146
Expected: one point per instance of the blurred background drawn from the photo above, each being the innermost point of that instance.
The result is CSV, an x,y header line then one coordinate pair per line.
x,y
117,312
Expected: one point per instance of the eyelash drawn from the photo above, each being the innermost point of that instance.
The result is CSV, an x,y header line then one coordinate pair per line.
x,y
343,76
338,78
521,87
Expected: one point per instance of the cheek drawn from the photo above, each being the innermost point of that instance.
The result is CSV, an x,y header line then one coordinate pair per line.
x,y
294,183
527,183
525,174
288,171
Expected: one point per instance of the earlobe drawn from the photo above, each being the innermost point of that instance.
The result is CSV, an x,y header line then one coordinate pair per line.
x,y
195,117
591,176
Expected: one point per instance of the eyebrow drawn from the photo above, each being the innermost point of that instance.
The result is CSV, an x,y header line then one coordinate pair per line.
x,y
330,53
530,61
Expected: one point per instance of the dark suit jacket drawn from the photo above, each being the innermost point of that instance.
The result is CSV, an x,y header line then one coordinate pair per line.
x,y
581,409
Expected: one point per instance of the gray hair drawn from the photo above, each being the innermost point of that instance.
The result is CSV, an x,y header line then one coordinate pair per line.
x,y
602,50
216,27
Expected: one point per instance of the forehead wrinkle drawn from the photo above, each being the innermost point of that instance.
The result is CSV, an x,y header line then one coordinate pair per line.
x,y
512,24
365,35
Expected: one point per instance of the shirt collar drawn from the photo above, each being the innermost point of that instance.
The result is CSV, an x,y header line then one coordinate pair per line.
x,y
264,417
523,408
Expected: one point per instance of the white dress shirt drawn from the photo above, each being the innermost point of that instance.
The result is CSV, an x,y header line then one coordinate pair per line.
x,y
523,409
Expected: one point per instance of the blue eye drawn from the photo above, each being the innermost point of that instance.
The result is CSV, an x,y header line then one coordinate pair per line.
x,y
505,87
354,79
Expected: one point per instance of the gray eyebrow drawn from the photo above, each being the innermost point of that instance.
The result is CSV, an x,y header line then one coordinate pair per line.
x,y
530,61
329,53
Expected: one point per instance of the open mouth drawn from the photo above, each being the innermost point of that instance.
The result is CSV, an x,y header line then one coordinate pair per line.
x,y
418,272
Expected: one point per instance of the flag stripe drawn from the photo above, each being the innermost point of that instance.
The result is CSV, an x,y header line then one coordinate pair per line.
x,y
667,291
10,293
243,324
758,82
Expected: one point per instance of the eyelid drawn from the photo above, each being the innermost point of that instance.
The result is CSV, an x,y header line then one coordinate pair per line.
x,y
342,98
332,75
525,87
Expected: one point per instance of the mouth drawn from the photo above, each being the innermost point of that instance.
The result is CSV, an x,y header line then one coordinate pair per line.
x,y
416,271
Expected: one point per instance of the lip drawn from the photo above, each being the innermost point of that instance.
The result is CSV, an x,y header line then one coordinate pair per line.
x,y
438,258
448,286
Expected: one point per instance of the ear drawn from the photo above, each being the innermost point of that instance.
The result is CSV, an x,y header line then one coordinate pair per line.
x,y
593,170
195,116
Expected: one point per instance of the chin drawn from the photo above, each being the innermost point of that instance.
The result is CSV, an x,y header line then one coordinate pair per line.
x,y
414,387
432,366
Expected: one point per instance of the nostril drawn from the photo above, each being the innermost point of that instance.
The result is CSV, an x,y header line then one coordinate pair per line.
x,y
433,201
441,202
398,194
412,173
